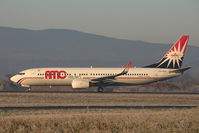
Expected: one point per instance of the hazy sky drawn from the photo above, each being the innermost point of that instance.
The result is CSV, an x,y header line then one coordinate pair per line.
x,y
148,20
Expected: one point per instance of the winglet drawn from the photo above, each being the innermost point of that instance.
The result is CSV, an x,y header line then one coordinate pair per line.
x,y
127,68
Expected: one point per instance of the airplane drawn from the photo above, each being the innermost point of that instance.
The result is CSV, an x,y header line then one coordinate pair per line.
x,y
168,67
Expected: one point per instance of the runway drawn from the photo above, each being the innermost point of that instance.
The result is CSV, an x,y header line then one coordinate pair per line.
x,y
188,93
94,107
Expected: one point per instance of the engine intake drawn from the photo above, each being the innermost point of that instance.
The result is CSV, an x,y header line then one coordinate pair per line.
x,y
80,83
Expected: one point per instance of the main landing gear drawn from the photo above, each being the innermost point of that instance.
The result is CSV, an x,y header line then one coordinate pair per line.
x,y
100,89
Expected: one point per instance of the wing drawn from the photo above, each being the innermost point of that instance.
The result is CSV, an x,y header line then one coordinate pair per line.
x,y
112,77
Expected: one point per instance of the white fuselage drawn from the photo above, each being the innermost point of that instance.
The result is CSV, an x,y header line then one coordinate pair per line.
x,y
168,67
65,76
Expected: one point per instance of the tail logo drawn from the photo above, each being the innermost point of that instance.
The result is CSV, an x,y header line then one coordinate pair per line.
x,y
174,57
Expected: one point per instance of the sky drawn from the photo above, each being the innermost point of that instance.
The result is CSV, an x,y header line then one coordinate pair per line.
x,y
156,21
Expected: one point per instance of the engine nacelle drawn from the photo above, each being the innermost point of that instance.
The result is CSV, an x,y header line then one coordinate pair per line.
x,y
80,83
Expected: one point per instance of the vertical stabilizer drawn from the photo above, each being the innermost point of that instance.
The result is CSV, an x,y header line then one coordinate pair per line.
x,y
174,57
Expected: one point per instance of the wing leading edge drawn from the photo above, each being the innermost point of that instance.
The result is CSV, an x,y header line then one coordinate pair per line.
x,y
112,77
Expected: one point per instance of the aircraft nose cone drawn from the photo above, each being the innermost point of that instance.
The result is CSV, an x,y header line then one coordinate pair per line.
x,y
14,79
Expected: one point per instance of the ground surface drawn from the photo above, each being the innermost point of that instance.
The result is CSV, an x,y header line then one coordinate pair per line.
x,y
98,120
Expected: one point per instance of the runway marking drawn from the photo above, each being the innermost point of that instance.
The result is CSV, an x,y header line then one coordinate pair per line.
x,y
187,93
95,107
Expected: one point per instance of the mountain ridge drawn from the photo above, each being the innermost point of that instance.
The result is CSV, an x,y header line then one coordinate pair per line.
x,y
24,48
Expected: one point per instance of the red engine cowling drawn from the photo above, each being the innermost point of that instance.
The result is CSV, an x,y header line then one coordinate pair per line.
x,y
80,83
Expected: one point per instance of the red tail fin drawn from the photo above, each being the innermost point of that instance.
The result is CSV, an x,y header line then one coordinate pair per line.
x,y
179,47
174,57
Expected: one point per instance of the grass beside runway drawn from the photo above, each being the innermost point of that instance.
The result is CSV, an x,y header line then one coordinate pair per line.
x,y
102,120
98,120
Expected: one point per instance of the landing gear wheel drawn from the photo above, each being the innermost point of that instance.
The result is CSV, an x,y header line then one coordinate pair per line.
x,y
100,89
29,89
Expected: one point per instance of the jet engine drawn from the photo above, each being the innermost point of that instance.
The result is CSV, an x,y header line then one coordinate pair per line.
x,y
80,83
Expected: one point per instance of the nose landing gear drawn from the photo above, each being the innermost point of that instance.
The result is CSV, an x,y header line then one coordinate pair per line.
x,y
100,89
29,89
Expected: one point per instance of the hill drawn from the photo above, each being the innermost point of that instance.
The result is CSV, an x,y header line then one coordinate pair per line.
x,y
22,48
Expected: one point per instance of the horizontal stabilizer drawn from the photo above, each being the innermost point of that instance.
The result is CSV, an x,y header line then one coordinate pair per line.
x,y
181,70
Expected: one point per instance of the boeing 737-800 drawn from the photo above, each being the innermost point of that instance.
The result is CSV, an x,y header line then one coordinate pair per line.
x,y
168,67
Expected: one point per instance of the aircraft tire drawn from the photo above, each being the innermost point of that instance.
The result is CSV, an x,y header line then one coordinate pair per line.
x,y
100,89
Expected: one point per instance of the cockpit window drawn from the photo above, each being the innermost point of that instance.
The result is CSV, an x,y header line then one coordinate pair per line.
x,y
21,73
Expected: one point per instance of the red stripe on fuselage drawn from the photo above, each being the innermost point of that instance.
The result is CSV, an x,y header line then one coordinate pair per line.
x,y
29,78
87,78
122,78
